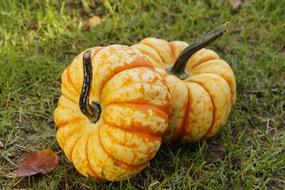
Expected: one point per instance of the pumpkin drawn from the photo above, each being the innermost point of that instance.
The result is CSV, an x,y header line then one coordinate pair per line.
x,y
202,85
111,125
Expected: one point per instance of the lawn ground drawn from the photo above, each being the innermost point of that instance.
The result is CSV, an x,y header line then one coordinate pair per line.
x,y
39,38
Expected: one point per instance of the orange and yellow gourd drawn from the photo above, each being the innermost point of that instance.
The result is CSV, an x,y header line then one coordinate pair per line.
x,y
134,102
202,100
112,126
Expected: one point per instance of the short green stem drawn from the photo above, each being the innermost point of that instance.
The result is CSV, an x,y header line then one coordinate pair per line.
x,y
178,68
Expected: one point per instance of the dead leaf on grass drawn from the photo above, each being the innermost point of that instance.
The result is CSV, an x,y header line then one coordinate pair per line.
x,y
32,25
43,161
91,22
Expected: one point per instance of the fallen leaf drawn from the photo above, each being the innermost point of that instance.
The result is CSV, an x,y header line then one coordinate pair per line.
x,y
43,161
235,4
91,22
33,25
1,144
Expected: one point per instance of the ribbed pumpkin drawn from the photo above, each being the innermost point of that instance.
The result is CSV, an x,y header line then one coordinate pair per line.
x,y
111,126
201,97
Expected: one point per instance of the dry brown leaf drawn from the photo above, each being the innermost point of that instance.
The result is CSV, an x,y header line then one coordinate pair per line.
x,y
1,144
43,161
91,22
235,3
32,25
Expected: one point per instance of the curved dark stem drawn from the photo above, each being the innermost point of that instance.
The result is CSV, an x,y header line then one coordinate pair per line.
x,y
178,68
93,110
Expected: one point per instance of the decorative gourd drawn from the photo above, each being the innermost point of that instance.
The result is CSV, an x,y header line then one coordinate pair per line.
x,y
202,96
116,135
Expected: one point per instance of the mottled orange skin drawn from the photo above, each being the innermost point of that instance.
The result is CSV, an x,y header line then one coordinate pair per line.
x,y
135,104
200,103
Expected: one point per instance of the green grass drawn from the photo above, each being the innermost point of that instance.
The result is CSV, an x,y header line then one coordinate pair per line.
x,y
39,38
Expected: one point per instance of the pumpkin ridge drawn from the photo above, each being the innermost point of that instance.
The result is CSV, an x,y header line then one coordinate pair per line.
x,y
201,61
93,173
131,147
95,51
63,94
65,111
121,144
88,170
70,80
62,143
172,53
152,136
67,93
139,126
233,91
149,45
63,124
133,64
87,144
69,154
232,94
82,133
89,157
163,108
96,175
188,111
138,154
154,107
65,82
137,82
179,134
214,108
158,61
177,47
70,101
140,100
117,161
